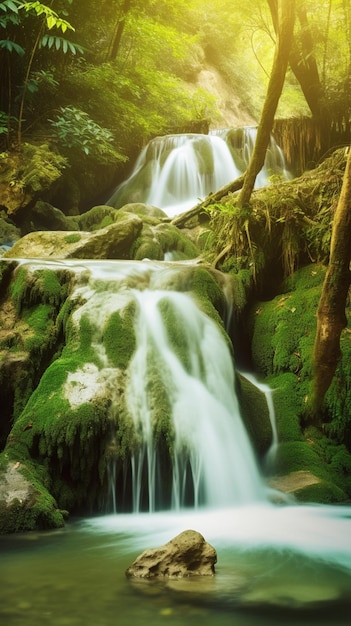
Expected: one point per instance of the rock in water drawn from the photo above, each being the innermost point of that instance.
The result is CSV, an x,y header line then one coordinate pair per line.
x,y
187,554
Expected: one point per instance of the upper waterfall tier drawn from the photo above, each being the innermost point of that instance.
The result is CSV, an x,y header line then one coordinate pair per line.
x,y
175,172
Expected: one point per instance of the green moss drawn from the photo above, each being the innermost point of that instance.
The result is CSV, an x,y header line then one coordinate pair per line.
x,y
293,456
338,397
159,239
86,333
255,414
172,239
177,337
39,510
335,457
33,286
93,219
107,221
18,288
284,328
208,293
40,320
323,492
146,248
119,337
288,405
158,384
73,238
68,440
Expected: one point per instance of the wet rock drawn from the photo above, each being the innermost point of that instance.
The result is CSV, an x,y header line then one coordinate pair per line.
x,y
22,506
44,216
187,554
112,242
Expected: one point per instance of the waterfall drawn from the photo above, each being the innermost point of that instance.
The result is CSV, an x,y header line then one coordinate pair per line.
x,y
268,393
211,453
186,444
175,172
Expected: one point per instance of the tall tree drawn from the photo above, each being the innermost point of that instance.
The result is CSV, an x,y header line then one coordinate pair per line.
x,y
118,32
285,29
331,319
302,58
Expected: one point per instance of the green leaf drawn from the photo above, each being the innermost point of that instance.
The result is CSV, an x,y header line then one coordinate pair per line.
x,y
11,46
50,21
9,4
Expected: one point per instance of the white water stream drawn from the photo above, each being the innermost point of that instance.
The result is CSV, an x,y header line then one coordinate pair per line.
x,y
287,555
175,172
211,447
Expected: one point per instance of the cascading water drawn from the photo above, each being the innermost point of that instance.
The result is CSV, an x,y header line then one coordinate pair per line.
x,y
180,390
175,172
268,393
211,453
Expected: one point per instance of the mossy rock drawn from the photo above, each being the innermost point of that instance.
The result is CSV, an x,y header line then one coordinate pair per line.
x,y
112,242
284,328
145,211
44,216
25,503
255,414
297,456
305,486
288,406
322,492
96,217
27,174
119,337
294,456
158,240
337,401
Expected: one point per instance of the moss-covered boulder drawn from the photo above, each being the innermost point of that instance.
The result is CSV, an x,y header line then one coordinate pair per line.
x,y
163,241
255,413
66,348
283,332
112,242
25,503
45,216
28,175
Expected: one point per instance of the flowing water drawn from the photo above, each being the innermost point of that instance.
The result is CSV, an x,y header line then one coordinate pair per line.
x,y
210,441
175,172
277,564
287,565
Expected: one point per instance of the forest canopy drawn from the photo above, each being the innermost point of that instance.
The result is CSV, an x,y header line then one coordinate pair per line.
x,y
101,77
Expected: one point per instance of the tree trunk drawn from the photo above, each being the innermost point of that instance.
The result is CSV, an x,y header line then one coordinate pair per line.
x,y
285,29
331,318
302,59
119,30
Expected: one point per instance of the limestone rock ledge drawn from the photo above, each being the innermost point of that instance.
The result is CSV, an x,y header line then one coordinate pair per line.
x,y
25,504
187,554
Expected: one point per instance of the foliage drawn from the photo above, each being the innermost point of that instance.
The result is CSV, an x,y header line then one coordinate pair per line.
x,y
284,327
74,129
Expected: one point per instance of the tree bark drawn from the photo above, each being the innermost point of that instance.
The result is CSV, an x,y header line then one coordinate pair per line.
x,y
302,59
331,318
285,29
119,29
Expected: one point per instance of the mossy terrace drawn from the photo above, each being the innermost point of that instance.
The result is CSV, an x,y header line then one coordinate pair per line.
x,y
49,338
